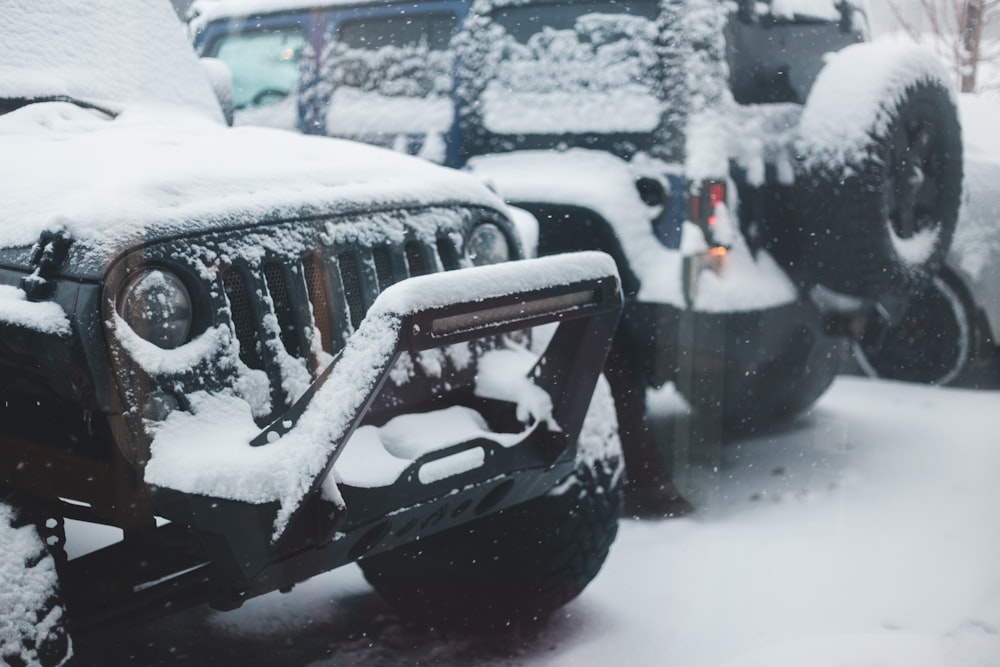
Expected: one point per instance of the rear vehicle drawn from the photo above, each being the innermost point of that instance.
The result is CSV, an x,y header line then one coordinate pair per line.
x,y
760,199
258,375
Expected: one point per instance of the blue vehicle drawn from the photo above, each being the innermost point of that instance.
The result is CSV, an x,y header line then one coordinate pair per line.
x,y
762,208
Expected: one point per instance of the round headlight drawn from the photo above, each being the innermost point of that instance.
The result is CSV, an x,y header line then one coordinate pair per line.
x,y
487,245
157,306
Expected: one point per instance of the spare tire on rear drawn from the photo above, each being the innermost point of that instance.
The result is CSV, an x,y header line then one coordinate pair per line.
x,y
876,202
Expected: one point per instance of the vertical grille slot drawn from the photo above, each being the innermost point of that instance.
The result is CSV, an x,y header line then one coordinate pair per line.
x,y
277,287
448,253
414,259
351,279
319,297
383,267
243,318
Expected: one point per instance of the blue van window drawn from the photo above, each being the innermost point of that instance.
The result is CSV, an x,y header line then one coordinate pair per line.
x,y
265,67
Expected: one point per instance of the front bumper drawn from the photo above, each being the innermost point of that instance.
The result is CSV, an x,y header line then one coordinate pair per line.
x,y
257,542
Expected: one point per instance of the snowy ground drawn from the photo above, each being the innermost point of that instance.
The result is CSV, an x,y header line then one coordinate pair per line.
x,y
864,534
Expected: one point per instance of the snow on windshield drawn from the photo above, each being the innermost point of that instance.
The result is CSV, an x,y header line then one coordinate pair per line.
x,y
595,77
110,54
395,89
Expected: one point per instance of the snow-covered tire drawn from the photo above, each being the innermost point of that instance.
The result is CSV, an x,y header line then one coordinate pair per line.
x,y
516,566
933,343
32,632
875,208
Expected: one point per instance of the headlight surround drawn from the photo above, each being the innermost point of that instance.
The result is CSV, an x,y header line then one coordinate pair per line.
x,y
487,244
157,306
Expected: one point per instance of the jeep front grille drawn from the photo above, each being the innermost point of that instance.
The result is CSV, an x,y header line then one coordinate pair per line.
x,y
325,294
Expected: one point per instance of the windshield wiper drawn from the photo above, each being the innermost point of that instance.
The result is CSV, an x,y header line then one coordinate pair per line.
x,y
8,104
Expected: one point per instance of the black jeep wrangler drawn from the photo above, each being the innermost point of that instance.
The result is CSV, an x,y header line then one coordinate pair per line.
x,y
262,356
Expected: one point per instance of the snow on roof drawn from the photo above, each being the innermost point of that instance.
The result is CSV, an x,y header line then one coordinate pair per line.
x,y
822,9
151,172
108,54
204,11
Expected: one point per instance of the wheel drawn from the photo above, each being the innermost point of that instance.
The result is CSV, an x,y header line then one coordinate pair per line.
x,y
932,343
32,632
878,218
513,567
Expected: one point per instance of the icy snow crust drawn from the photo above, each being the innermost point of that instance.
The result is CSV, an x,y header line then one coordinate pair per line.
x,y
107,53
24,592
156,172
207,451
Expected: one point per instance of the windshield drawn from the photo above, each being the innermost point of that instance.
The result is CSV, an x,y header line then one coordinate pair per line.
x,y
573,68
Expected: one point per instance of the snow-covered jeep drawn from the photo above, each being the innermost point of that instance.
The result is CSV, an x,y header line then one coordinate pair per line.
x,y
261,356
762,196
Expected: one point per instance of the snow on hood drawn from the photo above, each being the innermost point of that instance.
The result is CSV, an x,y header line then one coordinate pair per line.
x,y
156,171
107,53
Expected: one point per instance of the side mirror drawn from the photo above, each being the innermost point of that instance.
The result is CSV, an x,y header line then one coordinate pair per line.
x,y
221,80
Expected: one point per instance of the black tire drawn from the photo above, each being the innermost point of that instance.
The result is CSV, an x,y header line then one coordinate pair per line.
x,y
882,225
932,343
32,618
514,567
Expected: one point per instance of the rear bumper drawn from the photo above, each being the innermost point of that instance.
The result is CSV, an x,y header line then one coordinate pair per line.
x,y
665,338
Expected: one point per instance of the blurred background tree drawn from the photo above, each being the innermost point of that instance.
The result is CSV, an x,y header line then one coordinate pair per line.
x,y
966,32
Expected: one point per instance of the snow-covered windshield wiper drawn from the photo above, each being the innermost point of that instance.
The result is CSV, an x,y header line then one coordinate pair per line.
x,y
8,104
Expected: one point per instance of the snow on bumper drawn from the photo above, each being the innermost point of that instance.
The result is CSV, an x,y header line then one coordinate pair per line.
x,y
217,451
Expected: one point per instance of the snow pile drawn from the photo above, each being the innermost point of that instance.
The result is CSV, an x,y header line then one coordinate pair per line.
x,y
206,451
113,55
44,317
28,579
854,98
378,456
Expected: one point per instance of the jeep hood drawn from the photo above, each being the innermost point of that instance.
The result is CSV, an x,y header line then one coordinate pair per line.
x,y
155,173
